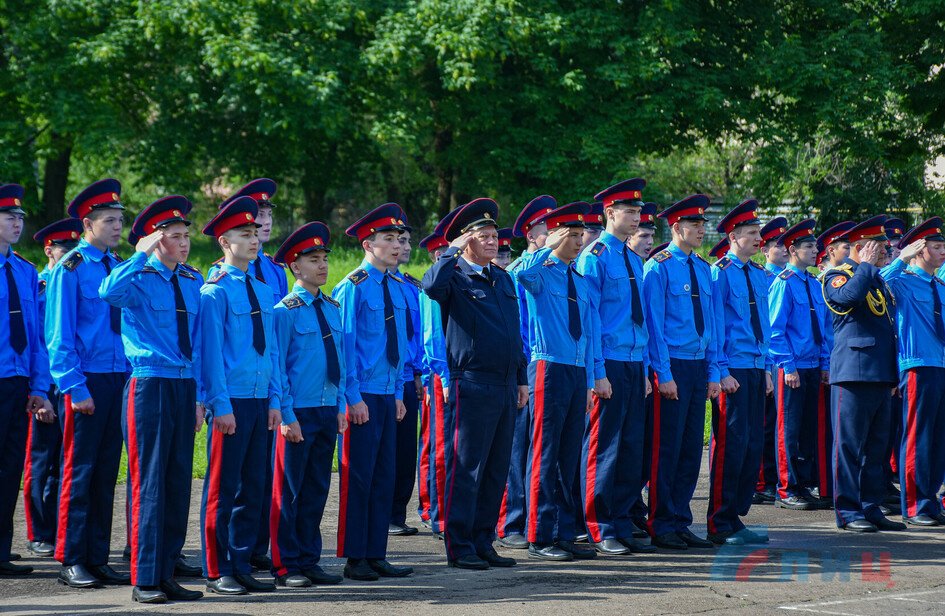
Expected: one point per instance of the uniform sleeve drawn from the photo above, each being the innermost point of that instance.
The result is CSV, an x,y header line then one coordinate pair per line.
x,y
60,325
854,290
340,347
720,290
282,322
39,356
212,316
346,294
530,275
893,270
275,375
826,343
654,292
197,356
434,343
436,280
780,301
592,269
118,287
715,346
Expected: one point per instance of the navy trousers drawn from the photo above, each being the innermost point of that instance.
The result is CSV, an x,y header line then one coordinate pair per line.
x,y
896,430
261,546
41,476
233,489
797,435
678,432
431,466
405,457
158,426
301,479
735,450
640,507
558,407
367,481
512,510
922,457
480,418
823,478
612,453
860,434
768,470
91,454
14,422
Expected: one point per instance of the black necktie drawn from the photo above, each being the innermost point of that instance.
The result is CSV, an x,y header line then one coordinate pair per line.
x,y
17,328
390,326
936,310
114,313
755,318
259,269
814,322
328,340
259,336
183,321
636,308
574,313
696,301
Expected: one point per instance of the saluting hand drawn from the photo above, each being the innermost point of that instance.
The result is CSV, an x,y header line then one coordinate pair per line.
x,y
148,243
912,250
358,413
275,418
401,409
872,252
556,237
462,241
225,424
292,432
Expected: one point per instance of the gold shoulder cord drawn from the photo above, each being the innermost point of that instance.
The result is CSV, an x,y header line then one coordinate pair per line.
x,y
876,302
823,291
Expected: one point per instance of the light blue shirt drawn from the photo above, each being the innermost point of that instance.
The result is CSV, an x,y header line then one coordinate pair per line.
x,y
739,348
434,341
792,337
33,362
919,344
265,267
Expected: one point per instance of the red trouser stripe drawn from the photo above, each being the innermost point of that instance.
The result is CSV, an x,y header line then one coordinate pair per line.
x,y
782,439
822,418
28,483
423,465
343,489
717,460
912,508
534,482
65,490
449,498
213,499
590,489
439,407
654,454
275,509
134,470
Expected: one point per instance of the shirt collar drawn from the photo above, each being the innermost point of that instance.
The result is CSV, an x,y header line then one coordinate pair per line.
x,y
921,273
233,271
677,252
734,259
89,251
773,268
6,257
162,269
473,266
303,293
800,272
375,274
611,240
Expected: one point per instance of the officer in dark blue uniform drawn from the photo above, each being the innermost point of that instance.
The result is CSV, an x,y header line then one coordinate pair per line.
x,y
44,440
678,297
487,368
24,374
87,361
162,407
862,373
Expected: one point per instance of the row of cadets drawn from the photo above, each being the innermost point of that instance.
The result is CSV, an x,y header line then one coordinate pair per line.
x,y
487,368
678,298
272,273
374,321
740,302
311,362
24,375
613,437
431,462
240,376
44,439
561,378
503,256
895,230
162,403
921,356
87,361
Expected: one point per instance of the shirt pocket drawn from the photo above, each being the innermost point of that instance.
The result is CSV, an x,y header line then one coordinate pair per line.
x,y
617,284
163,309
240,326
738,299
307,334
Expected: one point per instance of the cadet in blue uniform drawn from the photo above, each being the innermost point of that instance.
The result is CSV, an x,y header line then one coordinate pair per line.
x,y
678,297
24,374
239,372
311,362
740,300
159,297
612,450
561,378
87,362
836,243
373,317
487,368
594,223
862,372
921,342
405,465
801,355
719,251
511,524
44,440
504,255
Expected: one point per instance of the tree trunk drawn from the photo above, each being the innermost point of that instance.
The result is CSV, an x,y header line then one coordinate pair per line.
x,y
444,172
56,179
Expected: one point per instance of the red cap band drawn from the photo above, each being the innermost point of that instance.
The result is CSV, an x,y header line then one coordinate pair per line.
x,y
10,202
367,230
557,221
237,220
61,236
868,233
261,196
531,221
293,253
622,196
790,240
164,216
437,243
690,211
85,208
741,218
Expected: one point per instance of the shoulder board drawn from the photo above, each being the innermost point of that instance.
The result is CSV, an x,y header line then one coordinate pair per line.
x,y
515,263
331,300
785,274
117,258
220,275
273,261
938,280
149,269
42,287
598,248
754,264
662,256
908,273
72,261
548,263
358,276
293,301
701,258
190,267
24,258
844,269
397,278
413,280
723,263
218,261
186,273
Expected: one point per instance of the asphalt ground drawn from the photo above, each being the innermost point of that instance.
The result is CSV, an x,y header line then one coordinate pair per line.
x,y
809,566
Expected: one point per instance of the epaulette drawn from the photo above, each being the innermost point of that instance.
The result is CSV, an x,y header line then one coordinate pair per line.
x,y
149,269
190,267
598,248
548,262
723,263
662,256
42,287
24,258
186,272
117,258
910,273
331,300
754,264
217,262
221,273
938,280
785,274
293,301
413,280
358,276
515,263
273,261
701,257
72,261
397,278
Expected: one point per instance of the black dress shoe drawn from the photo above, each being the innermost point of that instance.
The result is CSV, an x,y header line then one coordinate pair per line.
x,y
320,576
41,548
183,569
611,547
148,594
360,570
293,581
890,509
401,530
739,537
922,520
126,554
385,569
548,552
765,496
226,585
797,503
260,562
492,557
860,526
8,568
109,576
514,541
176,592
887,524
669,541
580,538
636,547
252,584
693,541
469,561
578,552
77,576
637,532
